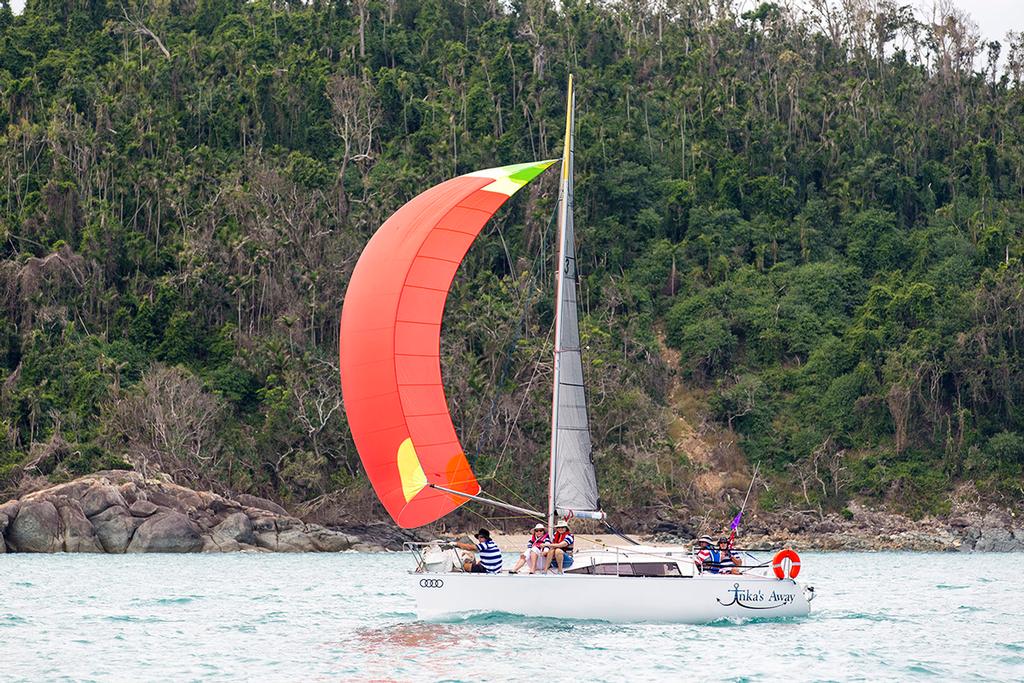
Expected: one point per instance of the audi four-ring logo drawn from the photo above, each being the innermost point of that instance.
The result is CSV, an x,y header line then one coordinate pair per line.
x,y
431,583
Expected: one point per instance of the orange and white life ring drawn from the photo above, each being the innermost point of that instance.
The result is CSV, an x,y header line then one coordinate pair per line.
x,y
786,564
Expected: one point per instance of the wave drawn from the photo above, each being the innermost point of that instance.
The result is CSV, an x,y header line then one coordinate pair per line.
x,y
176,601
128,618
729,622
503,618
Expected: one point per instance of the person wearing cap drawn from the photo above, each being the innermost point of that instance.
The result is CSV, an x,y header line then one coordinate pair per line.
x,y
559,548
490,554
707,556
728,561
534,552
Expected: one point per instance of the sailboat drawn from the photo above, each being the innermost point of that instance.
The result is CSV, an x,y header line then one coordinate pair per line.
x,y
397,411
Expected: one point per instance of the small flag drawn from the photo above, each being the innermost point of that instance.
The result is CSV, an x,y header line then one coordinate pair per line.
x,y
736,521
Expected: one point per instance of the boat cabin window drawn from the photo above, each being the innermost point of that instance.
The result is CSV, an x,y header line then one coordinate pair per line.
x,y
656,569
630,569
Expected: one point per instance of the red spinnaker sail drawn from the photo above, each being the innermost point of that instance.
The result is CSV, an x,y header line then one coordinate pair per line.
x,y
390,343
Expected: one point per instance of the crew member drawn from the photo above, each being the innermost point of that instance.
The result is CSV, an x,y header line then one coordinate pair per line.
x,y
728,561
490,554
559,550
705,558
534,553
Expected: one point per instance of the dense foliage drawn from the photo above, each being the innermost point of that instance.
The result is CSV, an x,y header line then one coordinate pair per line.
x,y
821,211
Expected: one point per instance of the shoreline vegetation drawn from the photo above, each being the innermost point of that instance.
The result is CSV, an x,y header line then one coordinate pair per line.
x,y
801,245
122,512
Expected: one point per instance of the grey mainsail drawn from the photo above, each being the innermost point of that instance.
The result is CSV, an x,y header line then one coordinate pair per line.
x,y
573,481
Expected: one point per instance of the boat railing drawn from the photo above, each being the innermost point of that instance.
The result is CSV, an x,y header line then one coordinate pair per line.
x,y
416,547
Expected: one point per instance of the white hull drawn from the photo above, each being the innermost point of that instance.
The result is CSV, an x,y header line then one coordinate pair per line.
x,y
688,600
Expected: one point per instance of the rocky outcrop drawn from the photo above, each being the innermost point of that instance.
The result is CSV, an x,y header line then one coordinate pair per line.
x,y
122,512
862,528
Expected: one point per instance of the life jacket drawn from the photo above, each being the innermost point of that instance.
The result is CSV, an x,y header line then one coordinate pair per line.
x,y
561,537
536,541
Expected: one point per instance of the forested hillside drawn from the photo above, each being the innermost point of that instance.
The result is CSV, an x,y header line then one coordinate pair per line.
x,y
819,213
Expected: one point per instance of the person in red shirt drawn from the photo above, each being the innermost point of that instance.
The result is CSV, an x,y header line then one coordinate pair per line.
x,y
559,550
703,557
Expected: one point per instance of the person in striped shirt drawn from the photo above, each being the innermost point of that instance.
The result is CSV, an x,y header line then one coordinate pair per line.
x,y
729,561
490,554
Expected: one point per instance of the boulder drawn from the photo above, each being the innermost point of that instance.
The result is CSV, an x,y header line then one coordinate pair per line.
x,y
826,527
292,540
77,533
224,545
36,529
115,528
174,499
236,527
264,524
997,540
328,541
261,503
167,532
10,509
99,497
129,491
142,508
72,489
219,505
234,533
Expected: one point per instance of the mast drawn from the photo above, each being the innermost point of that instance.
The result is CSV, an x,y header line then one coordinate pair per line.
x,y
564,201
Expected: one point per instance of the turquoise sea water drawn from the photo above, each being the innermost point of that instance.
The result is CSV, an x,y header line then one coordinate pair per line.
x,y
884,616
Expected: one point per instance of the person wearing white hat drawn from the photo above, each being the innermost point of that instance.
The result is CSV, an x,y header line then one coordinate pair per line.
x,y
704,556
559,550
534,553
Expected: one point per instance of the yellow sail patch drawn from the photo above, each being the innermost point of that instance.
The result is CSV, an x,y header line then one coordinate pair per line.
x,y
410,470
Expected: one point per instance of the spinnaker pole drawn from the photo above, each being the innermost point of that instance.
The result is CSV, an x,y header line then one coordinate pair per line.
x,y
564,188
489,501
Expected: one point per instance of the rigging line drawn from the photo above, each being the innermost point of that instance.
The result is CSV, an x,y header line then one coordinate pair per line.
x,y
486,519
522,404
536,365
543,242
522,324
618,533
510,490
753,478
